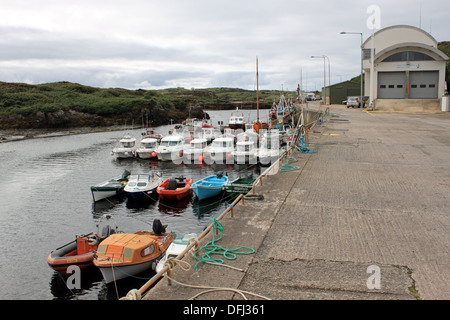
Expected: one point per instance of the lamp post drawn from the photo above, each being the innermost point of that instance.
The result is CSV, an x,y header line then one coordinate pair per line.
x,y
324,76
360,48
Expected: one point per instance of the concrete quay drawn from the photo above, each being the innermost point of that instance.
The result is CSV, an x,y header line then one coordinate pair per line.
x,y
376,193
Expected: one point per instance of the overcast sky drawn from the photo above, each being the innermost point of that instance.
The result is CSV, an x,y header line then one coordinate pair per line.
x,y
153,44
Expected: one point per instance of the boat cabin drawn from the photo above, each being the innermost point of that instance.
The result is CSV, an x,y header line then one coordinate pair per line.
x,y
132,247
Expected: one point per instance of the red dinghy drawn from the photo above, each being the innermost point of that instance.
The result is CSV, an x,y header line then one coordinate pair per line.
x,y
175,188
79,252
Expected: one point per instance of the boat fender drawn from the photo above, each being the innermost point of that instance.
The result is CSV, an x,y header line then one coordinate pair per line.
x,y
93,240
254,197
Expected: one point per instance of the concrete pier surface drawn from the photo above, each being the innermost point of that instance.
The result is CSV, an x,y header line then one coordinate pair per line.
x,y
366,217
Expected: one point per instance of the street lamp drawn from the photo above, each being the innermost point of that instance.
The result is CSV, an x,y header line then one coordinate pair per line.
x,y
324,76
361,90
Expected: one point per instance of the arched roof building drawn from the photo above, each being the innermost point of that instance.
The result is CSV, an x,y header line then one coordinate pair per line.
x,y
409,69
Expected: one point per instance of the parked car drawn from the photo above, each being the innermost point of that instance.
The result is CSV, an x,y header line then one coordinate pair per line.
x,y
353,102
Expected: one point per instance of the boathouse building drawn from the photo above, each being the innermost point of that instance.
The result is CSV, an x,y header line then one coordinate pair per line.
x,y
409,69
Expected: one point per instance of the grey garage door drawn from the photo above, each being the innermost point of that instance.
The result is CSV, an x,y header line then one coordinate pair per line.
x,y
423,84
391,85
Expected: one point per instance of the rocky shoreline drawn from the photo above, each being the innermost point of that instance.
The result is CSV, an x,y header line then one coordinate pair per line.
x,y
61,123
51,124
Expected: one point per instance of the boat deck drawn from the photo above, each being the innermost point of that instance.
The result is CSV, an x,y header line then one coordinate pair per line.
x,y
374,194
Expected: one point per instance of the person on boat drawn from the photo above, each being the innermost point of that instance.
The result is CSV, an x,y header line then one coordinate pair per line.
x,y
158,228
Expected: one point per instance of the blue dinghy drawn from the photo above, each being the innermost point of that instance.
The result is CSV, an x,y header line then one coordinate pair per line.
x,y
210,186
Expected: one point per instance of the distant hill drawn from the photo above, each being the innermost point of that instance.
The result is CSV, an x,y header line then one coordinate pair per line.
x,y
66,104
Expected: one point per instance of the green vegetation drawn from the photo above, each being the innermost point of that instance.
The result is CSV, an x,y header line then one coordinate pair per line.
x,y
23,99
66,104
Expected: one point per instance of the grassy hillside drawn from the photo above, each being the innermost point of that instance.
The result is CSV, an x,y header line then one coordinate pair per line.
x,y
70,104
24,99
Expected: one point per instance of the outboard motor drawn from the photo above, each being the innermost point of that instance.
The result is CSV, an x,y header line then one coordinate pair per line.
x,y
158,228
219,174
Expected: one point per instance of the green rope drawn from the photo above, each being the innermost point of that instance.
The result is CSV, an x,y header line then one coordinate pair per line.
x,y
211,248
285,167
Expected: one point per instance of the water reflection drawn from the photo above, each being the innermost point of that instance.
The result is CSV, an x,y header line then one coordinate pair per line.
x,y
174,207
90,278
53,176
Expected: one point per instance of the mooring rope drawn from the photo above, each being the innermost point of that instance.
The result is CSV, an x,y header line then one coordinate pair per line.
x,y
212,248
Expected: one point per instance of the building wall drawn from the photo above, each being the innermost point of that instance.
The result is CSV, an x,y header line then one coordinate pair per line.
x,y
396,39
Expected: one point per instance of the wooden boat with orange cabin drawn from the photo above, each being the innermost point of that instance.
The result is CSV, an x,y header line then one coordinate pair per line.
x,y
127,254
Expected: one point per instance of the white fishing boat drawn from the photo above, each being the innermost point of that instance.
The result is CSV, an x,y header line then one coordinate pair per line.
x,y
147,148
178,245
221,150
269,149
245,152
236,120
195,150
210,133
170,148
139,186
126,148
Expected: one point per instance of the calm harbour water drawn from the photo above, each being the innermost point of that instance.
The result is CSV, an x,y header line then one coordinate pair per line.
x,y
45,201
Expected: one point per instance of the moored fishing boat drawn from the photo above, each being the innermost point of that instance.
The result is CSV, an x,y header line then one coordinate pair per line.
x,y
151,133
240,185
210,186
269,150
110,187
175,188
147,148
128,254
170,148
246,152
80,252
194,151
236,120
221,150
139,186
178,245
126,148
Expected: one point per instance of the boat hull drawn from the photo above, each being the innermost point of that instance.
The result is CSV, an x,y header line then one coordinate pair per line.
x,y
116,273
209,187
123,154
70,255
146,154
178,193
170,155
203,193
103,193
241,185
140,195
236,126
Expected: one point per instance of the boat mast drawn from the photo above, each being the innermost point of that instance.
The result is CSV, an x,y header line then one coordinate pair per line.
x,y
257,92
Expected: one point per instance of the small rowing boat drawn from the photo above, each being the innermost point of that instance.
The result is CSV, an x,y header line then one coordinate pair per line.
x,y
210,186
79,252
175,188
110,188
